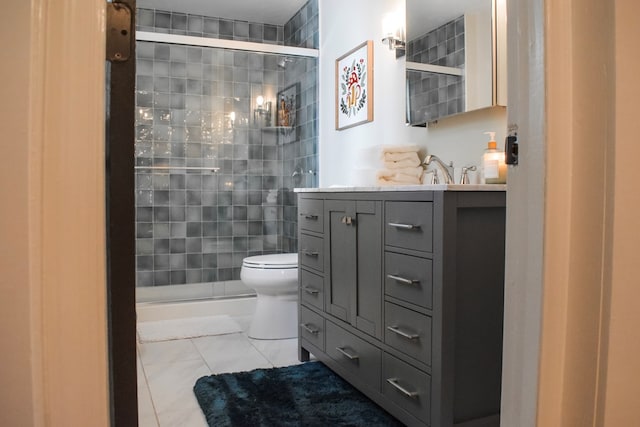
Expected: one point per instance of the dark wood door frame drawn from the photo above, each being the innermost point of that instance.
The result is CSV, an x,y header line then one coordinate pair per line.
x,y
120,215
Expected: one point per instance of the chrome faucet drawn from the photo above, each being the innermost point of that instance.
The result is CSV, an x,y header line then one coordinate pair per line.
x,y
464,179
447,170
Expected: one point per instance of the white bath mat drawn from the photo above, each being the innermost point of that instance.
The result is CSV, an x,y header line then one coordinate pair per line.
x,y
192,327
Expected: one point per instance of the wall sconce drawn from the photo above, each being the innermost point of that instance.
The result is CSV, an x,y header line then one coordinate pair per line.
x,y
393,30
232,119
262,112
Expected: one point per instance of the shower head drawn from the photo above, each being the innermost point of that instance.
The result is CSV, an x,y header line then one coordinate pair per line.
x,y
282,62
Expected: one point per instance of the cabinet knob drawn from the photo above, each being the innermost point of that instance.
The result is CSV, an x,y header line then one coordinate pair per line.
x,y
311,290
347,220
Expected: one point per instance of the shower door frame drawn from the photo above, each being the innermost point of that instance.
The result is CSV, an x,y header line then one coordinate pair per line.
x,y
226,45
120,232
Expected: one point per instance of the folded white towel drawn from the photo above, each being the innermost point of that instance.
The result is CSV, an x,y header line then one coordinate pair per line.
x,y
400,149
398,157
412,171
400,176
406,163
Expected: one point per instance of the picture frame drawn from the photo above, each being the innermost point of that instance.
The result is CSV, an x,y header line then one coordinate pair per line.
x,y
354,87
287,106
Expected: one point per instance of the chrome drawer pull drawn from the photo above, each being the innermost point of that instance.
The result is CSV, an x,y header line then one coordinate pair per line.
x,y
404,226
311,290
347,354
309,329
309,216
309,253
411,394
402,333
402,279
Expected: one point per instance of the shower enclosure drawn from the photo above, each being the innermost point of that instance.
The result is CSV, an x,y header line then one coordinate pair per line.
x,y
226,127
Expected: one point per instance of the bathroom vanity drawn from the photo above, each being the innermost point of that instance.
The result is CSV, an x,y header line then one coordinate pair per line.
x,y
401,293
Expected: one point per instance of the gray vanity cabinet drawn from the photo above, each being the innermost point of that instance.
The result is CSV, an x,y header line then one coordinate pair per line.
x,y
353,263
401,294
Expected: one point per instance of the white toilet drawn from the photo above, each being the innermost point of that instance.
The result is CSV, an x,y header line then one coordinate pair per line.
x,y
275,280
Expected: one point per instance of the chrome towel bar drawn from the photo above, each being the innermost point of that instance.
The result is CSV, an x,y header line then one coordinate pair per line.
x,y
188,168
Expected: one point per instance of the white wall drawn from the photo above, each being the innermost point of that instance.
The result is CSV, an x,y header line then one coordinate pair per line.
x,y
461,138
344,25
525,227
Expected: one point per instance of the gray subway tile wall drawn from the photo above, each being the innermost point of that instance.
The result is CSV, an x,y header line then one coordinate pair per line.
x,y
432,96
196,226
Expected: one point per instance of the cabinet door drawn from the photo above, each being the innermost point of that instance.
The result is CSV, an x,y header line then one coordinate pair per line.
x,y
367,310
354,263
340,258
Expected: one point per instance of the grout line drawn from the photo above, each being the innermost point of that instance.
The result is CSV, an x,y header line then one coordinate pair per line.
x,y
146,383
202,357
261,353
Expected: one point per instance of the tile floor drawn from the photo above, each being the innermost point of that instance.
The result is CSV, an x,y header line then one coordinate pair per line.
x,y
168,370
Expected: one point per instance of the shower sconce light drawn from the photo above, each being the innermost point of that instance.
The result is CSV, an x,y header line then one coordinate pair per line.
x,y
262,111
394,33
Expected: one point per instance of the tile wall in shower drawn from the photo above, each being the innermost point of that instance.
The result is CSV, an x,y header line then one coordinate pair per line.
x,y
302,29
195,109
433,95
161,21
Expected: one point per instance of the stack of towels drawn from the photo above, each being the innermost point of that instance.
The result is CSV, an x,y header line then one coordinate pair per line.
x,y
402,165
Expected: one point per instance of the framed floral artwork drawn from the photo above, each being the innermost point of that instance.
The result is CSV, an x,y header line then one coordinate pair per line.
x,y
287,109
354,87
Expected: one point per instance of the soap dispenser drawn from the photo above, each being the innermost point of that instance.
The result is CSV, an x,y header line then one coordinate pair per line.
x,y
494,168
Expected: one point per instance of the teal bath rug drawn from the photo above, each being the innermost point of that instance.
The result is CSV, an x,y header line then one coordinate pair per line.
x,y
308,395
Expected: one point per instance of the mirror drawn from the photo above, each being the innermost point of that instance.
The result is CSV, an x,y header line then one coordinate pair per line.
x,y
456,50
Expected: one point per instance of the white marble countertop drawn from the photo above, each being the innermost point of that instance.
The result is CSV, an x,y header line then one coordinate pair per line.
x,y
424,187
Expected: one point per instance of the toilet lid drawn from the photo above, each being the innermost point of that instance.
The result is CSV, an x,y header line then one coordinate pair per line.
x,y
271,261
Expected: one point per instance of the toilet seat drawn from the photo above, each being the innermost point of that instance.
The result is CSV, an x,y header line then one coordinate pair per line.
x,y
275,261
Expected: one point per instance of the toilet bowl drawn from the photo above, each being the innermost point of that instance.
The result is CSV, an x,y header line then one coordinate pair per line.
x,y
275,280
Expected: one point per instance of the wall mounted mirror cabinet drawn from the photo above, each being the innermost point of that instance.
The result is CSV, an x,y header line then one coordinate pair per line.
x,y
456,57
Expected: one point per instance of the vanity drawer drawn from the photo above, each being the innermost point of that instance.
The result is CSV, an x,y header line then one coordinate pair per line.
x,y
310,215
409,225
407,387
361,359
312,327
312,289
409,278
311,252
408,331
